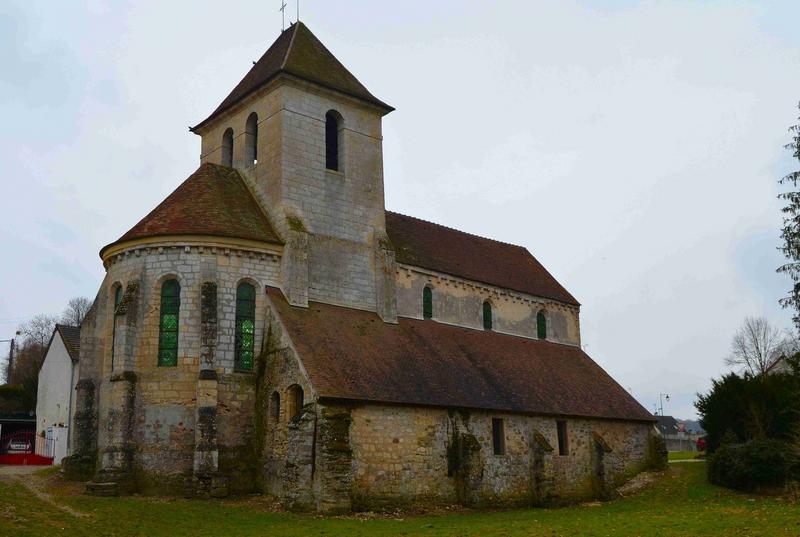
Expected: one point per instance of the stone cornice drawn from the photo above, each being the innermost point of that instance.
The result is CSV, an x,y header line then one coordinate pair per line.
x,y
197,243
497,293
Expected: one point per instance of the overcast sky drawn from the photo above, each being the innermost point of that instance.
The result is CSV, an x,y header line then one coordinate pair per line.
x,y
632,147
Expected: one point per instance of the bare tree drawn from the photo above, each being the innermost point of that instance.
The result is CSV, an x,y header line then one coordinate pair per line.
x,y
38,330
756,346
76,310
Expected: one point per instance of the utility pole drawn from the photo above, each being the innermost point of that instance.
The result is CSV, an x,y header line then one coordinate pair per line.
x,y
10,355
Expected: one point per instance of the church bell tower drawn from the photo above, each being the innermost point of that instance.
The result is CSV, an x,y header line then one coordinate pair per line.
x,y
306,136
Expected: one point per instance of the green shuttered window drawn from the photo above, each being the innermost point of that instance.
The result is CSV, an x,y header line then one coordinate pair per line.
x,y
168,324
245,326
427,303
487,316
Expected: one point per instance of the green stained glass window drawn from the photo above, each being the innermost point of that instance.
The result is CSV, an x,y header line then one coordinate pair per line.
x,y
245,327
427,303
541,325
487,316
168,324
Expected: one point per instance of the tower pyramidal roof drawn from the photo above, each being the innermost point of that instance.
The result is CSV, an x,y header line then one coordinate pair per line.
x,y
297,52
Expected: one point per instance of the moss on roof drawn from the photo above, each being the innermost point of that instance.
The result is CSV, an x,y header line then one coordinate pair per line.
x,y
213,201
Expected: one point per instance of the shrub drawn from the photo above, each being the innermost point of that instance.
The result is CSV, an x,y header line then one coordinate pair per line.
x,y
656,452
747,408
754,465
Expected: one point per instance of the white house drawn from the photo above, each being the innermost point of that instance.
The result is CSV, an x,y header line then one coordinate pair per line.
x,y
57,378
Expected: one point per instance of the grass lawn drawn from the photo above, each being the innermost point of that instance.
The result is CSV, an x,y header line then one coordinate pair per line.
x,y
679,503
683,455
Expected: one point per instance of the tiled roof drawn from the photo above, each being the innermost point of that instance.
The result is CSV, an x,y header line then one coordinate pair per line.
x,y
667,424
213,201
442,249
298,52
353,355
71,336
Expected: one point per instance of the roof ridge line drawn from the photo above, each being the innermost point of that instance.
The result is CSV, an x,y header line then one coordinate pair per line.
x,y
460,231
294,28
255,197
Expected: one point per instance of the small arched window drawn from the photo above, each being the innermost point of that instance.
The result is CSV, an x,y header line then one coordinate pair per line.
x,y
333,140
251,140
295,400
275,406
168,323
427,303
245,326
227,148
541,325
487,315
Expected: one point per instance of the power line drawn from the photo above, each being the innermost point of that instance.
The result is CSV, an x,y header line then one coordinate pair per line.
x,y
8,320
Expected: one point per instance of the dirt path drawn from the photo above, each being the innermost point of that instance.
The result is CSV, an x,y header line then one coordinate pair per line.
x,y
26,476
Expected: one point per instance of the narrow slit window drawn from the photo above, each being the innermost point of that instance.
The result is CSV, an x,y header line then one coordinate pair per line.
x,y
563,446
427,303
168,324
487,316
227,148
498,436
541,325
245,326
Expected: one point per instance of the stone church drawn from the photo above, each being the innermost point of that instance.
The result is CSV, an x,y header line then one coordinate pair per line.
x,y
271,327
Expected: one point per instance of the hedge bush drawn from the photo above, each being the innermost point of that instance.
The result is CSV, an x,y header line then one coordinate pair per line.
x,y
754,465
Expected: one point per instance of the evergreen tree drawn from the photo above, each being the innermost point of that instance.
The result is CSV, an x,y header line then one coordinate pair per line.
x,y
790,233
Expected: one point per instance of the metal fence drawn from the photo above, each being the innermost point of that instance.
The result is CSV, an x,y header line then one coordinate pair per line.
x,y
26,442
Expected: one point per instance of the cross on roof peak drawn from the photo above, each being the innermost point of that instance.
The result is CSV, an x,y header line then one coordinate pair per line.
x,y
283,14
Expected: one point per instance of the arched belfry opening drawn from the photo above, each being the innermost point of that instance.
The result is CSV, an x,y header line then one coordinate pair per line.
x,y
227,148
251,140
334,132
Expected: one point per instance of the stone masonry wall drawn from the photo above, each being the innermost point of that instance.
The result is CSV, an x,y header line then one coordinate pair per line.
x,y
341,211
282,371
404,454
460,302
165,404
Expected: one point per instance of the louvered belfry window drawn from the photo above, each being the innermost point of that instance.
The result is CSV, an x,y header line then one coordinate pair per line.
x,y
427,303
245,326
168,324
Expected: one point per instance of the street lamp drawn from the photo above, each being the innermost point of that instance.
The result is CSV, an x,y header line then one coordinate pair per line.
x,y
12,339
661,397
